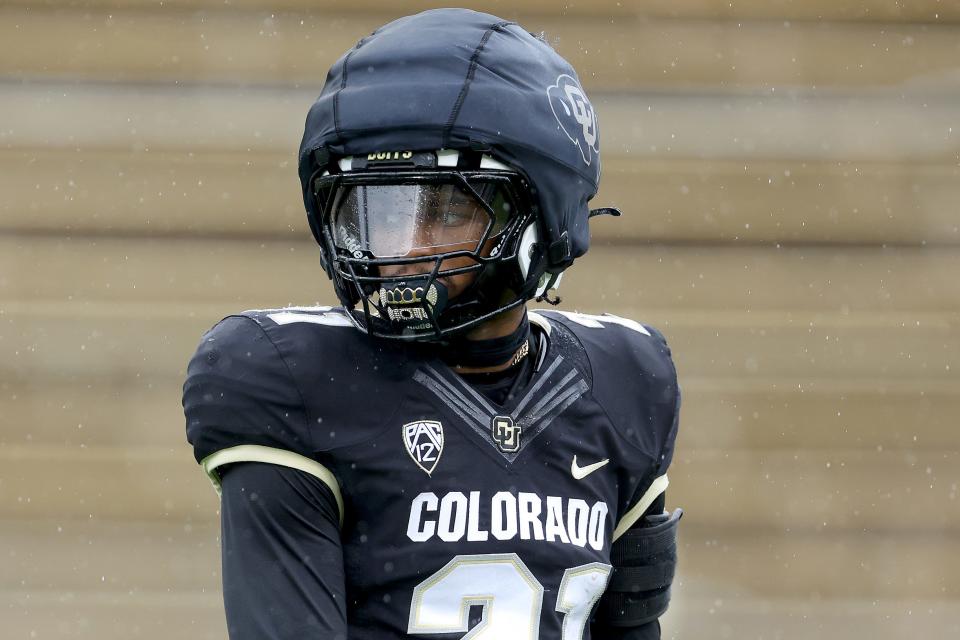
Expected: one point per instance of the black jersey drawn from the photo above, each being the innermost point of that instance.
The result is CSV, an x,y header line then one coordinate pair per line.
x,y
457,514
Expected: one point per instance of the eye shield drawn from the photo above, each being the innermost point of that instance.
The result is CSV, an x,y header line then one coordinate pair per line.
x,y
390,215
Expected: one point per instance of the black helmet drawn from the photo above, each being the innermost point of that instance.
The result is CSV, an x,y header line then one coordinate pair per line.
x,y
448,108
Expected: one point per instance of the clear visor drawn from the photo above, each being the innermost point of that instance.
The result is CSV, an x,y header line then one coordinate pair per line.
x,y
400,220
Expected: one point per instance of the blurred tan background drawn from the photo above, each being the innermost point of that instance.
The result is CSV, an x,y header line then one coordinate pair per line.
x,y
790,177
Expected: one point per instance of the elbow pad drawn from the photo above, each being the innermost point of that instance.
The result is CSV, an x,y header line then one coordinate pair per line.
x,y
644,562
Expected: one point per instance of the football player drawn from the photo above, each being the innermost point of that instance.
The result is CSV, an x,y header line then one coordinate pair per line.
x,y
431,459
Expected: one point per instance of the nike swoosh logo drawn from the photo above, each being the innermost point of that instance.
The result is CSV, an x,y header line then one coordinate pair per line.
x,y
582,472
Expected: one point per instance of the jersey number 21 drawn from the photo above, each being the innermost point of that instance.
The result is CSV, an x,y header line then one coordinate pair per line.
x,y
510,595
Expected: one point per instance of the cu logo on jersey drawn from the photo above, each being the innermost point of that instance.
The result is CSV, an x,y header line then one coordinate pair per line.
x,y
575,115
424,442
506,434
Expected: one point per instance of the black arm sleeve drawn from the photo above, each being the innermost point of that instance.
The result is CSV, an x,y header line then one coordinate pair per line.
x,y
283,576
648,631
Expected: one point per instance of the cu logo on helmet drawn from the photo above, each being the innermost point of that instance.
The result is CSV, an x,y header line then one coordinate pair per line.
x,y
575,115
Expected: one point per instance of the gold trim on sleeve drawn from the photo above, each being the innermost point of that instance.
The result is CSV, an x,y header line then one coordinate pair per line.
x,y
658,486
281,457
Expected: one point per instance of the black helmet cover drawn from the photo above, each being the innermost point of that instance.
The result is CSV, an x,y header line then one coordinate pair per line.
x,y
459,79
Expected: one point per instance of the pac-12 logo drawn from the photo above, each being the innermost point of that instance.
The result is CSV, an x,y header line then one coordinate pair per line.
x,y
575,114
424,441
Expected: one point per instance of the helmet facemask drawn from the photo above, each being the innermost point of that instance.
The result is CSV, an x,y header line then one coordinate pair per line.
x,y
424,254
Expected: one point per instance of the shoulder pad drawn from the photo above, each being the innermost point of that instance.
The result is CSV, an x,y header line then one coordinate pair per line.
x,y
338,370
239,391
634,378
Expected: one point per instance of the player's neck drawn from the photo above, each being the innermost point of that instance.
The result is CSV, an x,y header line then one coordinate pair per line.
x,y
500,326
